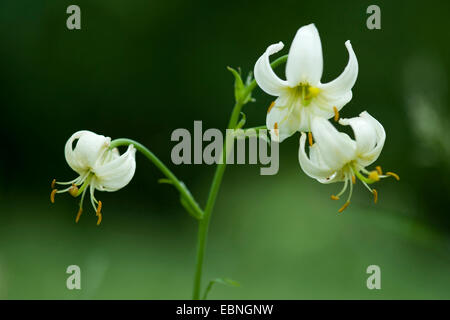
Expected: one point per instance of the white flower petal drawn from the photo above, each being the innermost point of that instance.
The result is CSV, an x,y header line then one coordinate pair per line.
x,y
309,166
372,155
117,173
284,117
264,74
365,134
305,61
346,80
88,150
337,176
323,104
336,148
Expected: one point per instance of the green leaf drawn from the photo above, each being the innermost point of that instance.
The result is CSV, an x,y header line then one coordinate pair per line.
x,y
242,121
224,281
240,92
189,208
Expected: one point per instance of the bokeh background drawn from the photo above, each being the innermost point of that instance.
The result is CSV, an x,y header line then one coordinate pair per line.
x,y
140,69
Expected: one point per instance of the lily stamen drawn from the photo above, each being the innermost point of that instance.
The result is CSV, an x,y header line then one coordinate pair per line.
x,y
375,195
53,184
98,213
379,170
99,208
344,206
336,114
310,139
52,195
392,174
271,106
80,211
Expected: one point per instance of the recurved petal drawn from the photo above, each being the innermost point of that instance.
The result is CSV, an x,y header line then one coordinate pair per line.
x,y
118,172
71,159
264,74
312,167
88,150
365,133
305,60
346,80
336,148
374,144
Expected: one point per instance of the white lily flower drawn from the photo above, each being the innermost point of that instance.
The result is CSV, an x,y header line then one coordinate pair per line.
x,y
98,167
302,96
336,157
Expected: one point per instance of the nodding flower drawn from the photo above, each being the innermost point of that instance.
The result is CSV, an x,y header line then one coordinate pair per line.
x,y
302,96
336,157
98,167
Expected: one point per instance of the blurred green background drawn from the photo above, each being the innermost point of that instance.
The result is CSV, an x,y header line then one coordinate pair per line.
x,y
140,69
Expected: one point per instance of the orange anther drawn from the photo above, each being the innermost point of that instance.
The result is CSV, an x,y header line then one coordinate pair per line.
x,y
380,172
353,179
310,138
99,218
99,208
393,175
53,183
78,215
333,197
52,195
344,206
375,195
271,106
336,114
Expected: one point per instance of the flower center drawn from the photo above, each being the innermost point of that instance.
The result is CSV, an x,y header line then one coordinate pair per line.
x,y
305,93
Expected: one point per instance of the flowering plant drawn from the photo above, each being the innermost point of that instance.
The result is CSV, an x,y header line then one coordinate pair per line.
x,y
303,104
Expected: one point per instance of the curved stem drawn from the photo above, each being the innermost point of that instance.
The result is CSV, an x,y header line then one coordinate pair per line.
x,y
179,185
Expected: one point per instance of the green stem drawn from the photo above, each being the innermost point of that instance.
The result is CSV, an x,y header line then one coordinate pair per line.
x,y
179,185
215,186
204,223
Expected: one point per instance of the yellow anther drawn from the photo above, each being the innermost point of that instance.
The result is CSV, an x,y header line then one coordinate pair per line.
x,y
353,179
373,175
73,191
310,138
375,195
53,183
99,219
393,175
336,114
275,126
52,195
99,208
271,106
344,206
99,213
313,92
333,197
380,172
78,215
